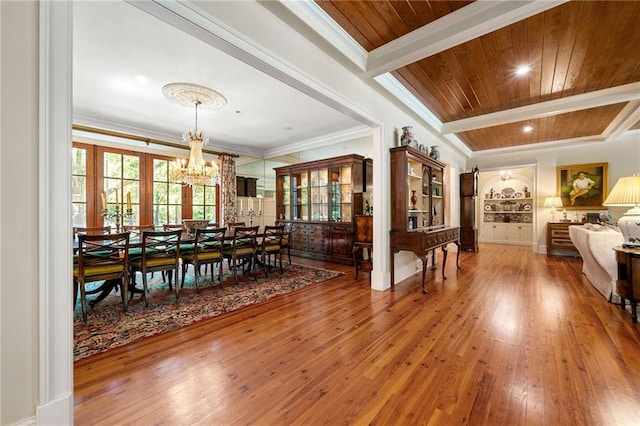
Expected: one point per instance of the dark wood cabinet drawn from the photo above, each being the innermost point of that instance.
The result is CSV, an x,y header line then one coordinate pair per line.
x,y
363,244
320,200
468,199
628,282
558,241
417,208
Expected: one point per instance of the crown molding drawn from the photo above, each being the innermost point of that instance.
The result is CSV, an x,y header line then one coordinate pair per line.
x,y
325,140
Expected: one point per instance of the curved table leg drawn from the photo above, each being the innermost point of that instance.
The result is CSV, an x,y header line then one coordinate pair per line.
x,y
444,260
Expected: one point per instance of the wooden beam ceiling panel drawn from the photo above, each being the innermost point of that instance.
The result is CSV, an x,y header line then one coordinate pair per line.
x,y
589,122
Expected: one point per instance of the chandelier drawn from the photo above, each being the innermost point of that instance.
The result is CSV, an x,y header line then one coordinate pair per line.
x,y
195,171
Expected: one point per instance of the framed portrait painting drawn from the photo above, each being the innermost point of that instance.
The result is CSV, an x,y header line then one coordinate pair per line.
x,y
582,186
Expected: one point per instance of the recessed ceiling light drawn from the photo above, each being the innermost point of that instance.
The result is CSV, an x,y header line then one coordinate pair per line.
x,y
527,129
523,70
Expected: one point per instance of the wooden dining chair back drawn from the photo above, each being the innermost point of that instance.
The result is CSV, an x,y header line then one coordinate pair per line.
x,y
94,230
207,250
139,228
160,251
271,244
100,258
242,251
232,225
173,227
285,245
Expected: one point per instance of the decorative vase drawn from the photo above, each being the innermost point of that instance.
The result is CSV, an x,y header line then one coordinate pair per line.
x,y
414,199
407,136
435,154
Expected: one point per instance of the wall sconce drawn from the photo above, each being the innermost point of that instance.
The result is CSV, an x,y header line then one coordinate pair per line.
x,y
505,175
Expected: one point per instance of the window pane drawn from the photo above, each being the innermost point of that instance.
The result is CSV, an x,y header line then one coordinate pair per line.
x,y
175,214
198,212
79,189
198,194
210,213
110,187
112,165
131,167
79,214
79,161
160,214
160,170
175,193
159,193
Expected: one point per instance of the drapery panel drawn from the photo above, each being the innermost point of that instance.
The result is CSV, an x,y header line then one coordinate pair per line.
x,y
227,166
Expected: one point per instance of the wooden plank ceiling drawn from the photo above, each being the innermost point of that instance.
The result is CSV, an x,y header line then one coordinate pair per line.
x,y
572,49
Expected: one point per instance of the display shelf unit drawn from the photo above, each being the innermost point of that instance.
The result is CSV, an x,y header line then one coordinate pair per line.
x,y
417,209
417,190
317,197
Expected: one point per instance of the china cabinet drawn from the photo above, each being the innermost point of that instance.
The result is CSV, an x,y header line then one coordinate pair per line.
x,y
317,198
418,207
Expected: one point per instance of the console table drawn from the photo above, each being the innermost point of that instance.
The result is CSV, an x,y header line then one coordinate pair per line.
x,y
628,283
423,242
558,241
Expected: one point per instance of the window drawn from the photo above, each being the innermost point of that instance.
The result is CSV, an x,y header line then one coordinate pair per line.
x,y
167,196
204,202
139,177
121,186
79,186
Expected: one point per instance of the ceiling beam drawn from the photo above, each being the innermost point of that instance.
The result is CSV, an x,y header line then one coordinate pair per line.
x,y
598,98
460,26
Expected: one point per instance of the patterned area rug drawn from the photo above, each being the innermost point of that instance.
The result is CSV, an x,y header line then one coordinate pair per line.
x,y
108,327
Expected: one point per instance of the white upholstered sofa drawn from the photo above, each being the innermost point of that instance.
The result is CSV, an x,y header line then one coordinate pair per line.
x,y
595,244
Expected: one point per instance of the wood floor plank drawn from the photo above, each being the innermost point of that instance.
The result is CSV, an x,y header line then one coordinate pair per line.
x,y
510,338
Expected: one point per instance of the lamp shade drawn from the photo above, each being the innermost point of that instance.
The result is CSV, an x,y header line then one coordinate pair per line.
x,y
553,202
626,192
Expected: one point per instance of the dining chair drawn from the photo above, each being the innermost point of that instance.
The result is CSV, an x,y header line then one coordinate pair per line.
x,y
160,251
92,230
100,258
232,225
271,244
207,250
139,228
242,249
136,252
285,245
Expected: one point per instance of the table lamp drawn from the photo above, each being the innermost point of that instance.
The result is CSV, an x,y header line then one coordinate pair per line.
x,y
553,202
626,192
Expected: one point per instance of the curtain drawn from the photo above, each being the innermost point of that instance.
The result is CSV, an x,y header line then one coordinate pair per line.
x,y
228,193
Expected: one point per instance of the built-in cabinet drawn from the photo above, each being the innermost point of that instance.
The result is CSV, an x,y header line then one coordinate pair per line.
x,y
507,214
320,199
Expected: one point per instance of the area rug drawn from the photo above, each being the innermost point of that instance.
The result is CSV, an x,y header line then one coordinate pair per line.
x,y
109,327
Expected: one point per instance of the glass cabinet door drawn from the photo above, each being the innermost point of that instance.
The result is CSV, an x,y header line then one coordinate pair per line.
x,y
284,203
341,194
300,196
319,195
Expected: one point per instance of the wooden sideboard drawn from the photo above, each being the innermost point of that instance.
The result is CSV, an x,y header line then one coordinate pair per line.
x,y
558,240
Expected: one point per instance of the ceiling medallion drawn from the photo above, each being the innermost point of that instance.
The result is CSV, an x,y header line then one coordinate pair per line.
x,y
187,94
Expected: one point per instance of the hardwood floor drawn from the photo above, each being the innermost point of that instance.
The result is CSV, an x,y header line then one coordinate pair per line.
x,y
512,338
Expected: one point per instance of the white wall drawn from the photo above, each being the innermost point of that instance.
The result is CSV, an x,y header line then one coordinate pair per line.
x,y
18,210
